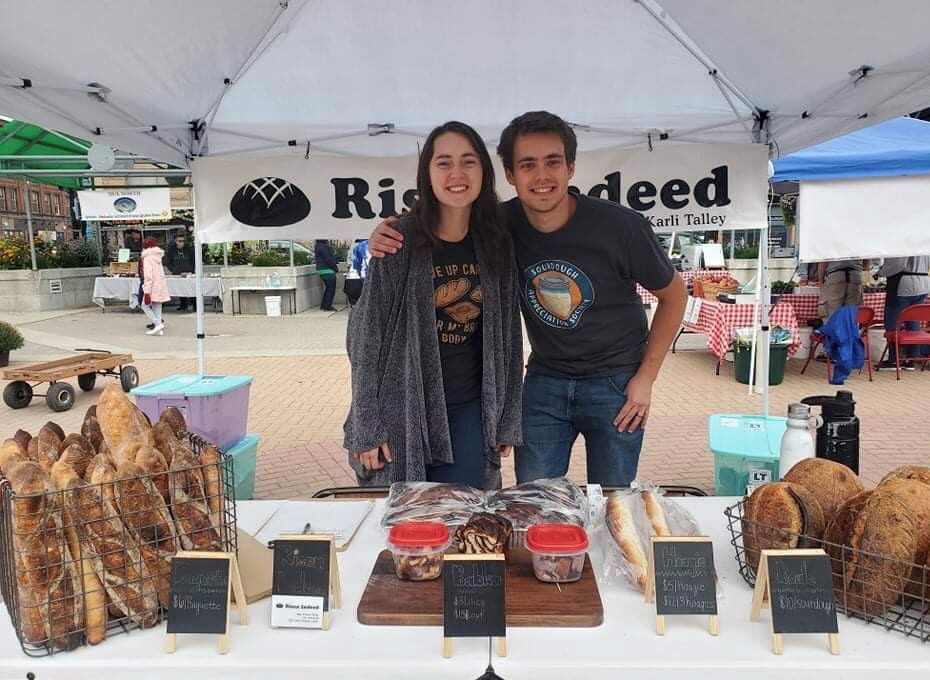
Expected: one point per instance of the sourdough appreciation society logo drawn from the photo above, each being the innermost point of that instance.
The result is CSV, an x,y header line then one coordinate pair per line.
x,y
558,292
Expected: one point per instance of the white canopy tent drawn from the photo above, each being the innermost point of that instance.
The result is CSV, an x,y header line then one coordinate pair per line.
x,y
175,79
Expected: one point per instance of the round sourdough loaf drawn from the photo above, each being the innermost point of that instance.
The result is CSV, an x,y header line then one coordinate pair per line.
x,y
831,483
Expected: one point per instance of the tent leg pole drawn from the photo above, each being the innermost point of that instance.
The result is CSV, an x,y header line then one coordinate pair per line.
x,y
765,288
32,244
198,283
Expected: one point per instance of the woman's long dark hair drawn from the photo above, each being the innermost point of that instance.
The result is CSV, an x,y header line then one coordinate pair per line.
x,y
486,219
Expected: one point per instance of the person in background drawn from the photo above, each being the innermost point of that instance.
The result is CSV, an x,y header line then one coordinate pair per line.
x,y
179,258
358,271
132,240
326,267
908,284
840,284
435,341
154,285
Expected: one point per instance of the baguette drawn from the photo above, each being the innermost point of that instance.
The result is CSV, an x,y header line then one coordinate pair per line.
x,y
623,530
153,463
147,518
90,428
46,574
196,531
65,479
114,553
210,459
655,514
123,425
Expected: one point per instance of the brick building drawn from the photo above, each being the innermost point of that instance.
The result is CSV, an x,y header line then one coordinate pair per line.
x,y
50,206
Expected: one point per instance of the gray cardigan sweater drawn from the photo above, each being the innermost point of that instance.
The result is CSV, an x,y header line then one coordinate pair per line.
x,y
397,392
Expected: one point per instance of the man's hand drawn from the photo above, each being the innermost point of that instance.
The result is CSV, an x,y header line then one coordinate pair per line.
x,y
385,240
635,412
504,450
370,459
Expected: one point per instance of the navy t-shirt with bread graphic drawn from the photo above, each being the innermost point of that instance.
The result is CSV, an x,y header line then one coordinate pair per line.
x,y
457,296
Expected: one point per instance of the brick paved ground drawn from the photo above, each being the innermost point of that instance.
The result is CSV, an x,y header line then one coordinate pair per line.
x,y
298,403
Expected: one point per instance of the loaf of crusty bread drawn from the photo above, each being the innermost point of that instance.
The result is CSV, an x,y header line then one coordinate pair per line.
x,y
11,452
48,444
143,511
122,424
623,530
54,427
94,597
23,438
191,512
47,577
175,419
78,456
165,440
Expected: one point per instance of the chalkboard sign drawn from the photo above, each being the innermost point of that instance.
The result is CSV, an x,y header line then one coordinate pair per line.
x,y
685,578
302,581
199,595
801,592
473,596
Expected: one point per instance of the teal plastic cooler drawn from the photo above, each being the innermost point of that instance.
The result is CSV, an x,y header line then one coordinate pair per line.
x,y
746,450
216,407
245,455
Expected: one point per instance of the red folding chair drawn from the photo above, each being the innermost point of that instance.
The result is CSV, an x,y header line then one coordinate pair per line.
x,y
864,318
903,337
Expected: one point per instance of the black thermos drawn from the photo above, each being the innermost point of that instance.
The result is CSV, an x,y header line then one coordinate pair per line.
x,y
838,436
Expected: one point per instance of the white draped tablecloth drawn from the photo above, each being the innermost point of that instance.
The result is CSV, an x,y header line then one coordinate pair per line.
x,y
127,288
625,646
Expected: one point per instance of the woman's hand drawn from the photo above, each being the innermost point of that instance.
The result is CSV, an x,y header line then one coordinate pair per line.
x,y
370,460
504,450
147,299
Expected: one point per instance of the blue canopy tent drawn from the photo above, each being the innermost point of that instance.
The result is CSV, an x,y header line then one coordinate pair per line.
x,y
864,194
900,146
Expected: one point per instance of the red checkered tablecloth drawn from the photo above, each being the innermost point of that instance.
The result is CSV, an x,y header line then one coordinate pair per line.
x,y
719,320
805,305
688,276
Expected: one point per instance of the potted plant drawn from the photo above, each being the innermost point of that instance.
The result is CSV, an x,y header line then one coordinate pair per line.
x,y
10,339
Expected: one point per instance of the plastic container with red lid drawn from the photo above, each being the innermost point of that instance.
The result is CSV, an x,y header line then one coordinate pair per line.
x,y
558,551
417,548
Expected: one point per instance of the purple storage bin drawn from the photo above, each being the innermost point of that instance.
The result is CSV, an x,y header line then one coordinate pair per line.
x,y
216,407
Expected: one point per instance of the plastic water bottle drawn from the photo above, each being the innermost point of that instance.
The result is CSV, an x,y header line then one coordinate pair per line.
x,y
275,280
267,282
797,443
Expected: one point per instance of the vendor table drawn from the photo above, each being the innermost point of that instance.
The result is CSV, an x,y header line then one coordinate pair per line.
x,y
626,645
719,320
127,288
688,277
805,305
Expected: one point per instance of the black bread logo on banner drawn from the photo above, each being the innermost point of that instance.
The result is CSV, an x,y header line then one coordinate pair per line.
x,y
269,202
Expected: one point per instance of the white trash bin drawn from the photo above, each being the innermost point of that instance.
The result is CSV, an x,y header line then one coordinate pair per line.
x,y
272,305
877,343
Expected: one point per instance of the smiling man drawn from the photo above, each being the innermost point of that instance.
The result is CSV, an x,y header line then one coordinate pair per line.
x,y
594,359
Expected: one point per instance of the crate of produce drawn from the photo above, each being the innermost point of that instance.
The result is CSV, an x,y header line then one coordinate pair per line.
x,y
89,525
124,269
215,406
709,287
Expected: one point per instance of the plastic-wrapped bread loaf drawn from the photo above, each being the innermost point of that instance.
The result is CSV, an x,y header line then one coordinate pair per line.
x,y
123,425
623,530
94,596
655,514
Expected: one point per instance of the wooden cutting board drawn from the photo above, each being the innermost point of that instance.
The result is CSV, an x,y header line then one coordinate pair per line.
x,y
388,601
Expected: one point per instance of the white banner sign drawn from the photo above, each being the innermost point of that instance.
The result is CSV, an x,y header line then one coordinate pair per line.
x,y
125,204
682,187
864,218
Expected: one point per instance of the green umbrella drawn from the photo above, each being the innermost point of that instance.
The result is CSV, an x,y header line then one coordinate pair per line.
x,y
24,140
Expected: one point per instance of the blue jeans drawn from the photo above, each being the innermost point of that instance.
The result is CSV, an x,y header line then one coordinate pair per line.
x,y
468,449
892,309
556,410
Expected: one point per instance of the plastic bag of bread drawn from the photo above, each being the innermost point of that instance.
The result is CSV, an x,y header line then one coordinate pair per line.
x,y
449,504
632,517
544,501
